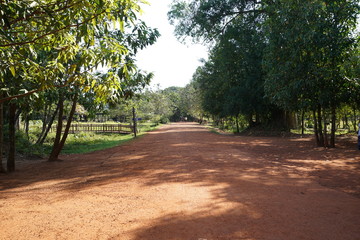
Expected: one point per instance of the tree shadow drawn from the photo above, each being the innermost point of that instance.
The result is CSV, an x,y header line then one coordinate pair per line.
x,y
186,156
247,177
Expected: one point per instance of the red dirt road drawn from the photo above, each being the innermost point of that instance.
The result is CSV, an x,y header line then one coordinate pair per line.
x,y
183,182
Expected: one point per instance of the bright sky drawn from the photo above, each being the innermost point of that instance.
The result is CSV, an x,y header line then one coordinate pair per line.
x,y
172,62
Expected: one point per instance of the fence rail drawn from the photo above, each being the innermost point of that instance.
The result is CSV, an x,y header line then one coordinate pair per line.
x,y
99,128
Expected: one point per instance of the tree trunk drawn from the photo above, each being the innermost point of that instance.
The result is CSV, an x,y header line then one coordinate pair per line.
x,y
17,119
346,119
326,141
44,135
56,150
1,134
316,131
354,122
26,126
12,126
237,123
303,122
257,118
281,120
44,121
320,128
333,126
53,156
250,121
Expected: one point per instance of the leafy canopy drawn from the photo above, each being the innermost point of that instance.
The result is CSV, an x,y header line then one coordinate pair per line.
x,y
65,30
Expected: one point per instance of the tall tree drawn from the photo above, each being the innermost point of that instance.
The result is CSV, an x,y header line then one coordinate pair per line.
x,y
74,38
308,45
206,20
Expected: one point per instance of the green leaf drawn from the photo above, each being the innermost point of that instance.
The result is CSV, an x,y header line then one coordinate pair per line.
x,y
93,83
12,70
121,26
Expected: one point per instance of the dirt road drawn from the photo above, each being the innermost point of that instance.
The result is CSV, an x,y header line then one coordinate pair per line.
x,y
183,182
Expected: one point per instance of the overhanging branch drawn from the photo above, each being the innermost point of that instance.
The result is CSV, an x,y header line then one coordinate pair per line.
x,y
51,32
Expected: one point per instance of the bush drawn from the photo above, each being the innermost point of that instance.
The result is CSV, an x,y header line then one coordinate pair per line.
x,y
24,145
164,120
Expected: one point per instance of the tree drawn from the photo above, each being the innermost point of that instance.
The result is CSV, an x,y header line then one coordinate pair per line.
x,y
308,45
192,103
154,105
235,67
232,80
122,80
206,20
58,44
352,95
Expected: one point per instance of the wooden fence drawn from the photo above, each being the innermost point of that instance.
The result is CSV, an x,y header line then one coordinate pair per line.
x,y
99,128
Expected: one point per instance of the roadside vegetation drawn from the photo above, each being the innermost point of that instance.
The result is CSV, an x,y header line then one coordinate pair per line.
x,y
153,107
277,66
80,142
50,53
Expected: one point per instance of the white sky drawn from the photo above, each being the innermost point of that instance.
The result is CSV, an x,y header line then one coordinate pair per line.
x,y
172,62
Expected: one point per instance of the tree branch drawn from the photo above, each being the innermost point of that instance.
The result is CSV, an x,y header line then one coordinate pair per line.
x,y
38,12
2,100
246,11
51,32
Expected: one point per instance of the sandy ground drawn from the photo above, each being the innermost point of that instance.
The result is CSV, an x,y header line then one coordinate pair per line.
x,y
184,182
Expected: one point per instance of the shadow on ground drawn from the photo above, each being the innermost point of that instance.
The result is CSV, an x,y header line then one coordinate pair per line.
x,y
250,174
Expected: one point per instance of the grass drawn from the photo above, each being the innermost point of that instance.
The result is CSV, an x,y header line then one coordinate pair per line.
x,y
213,129
89,142
78,143
310,131
219,130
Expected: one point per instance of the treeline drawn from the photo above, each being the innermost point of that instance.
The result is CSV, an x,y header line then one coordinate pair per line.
x,y
271,59
160,106
55,56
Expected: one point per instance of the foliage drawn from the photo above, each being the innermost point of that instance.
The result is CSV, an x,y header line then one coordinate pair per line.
x,y
57,46
308,44
89,142
205,20
231,81
160,106
49,44
82,142
271,58
61,27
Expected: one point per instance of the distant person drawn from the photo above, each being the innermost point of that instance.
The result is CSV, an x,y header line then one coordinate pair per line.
x,y
359,137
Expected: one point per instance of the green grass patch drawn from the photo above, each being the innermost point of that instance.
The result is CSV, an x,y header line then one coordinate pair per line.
x,y
214,129
309,131
86,142
82,142
89,142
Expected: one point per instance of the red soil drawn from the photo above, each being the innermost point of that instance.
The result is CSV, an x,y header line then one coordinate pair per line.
x,y
184,182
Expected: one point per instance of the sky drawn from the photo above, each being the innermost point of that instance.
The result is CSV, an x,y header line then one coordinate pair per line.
x,y
172,62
